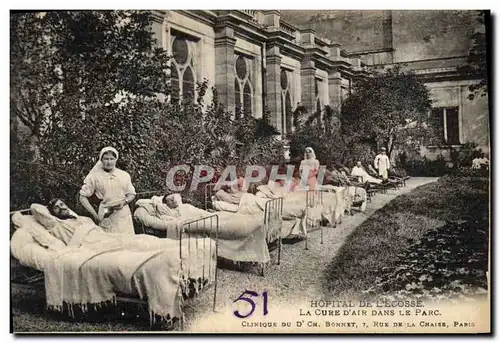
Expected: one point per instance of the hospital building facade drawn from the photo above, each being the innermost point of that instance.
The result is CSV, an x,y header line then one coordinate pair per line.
x,y
275,61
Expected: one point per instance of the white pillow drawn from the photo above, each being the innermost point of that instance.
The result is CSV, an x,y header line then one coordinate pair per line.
x,y
267,192
19,239
29,253
37,231
147,204
224,206
230,198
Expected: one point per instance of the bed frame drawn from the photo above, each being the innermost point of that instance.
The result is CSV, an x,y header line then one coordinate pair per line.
x,y
273,207
26,277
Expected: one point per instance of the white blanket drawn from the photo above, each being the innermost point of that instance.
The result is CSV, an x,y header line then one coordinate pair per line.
x,y
242,237
102,265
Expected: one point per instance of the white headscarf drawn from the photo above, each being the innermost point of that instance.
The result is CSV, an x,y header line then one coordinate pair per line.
x,y
98,166
313,155
310,162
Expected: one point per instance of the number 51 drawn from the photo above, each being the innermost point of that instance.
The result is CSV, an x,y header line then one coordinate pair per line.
x,y
251,302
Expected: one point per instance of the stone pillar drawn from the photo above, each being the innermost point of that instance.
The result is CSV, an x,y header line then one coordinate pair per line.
x,y
335,88
273,85
258,111
159,27
308,85
271,19
224,66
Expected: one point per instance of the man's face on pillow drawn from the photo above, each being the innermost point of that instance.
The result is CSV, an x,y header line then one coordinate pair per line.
x,y
171,203
61,210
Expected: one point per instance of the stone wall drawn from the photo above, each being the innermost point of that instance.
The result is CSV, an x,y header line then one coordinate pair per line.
x,y
414,35
473,114
421,35
353,30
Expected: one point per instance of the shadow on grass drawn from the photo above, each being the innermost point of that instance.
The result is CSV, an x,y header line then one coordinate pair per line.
x,y
29,315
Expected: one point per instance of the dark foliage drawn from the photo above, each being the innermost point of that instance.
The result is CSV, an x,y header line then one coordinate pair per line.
x,y
477,60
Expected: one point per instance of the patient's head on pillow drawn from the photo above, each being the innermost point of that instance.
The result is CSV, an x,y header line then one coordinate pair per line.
x,y
59,209
172,200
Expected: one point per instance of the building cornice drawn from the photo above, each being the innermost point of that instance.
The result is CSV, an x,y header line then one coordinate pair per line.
x,y
251,32
444,76
228,18
246,27
158,15
287,48
368,52
224,41
206,17
320,61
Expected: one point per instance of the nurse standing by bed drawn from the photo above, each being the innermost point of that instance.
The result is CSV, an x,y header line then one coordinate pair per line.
x,y
114,188
310,165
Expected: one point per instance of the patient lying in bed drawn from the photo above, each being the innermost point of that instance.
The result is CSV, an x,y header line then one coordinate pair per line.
x,y
93,266
241,236
166,214
75,230
232,199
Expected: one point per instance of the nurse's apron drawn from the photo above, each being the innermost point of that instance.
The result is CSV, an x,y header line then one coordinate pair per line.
x,y
118,221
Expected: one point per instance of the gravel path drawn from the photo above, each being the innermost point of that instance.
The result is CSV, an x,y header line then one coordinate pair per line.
x,y
299,276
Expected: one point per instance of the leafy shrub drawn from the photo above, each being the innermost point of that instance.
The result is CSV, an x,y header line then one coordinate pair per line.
x,y
425,167
464,156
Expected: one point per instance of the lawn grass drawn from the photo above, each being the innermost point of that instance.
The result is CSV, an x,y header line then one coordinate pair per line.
x,y
376,244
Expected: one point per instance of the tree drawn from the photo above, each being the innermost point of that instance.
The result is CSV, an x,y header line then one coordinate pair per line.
x,y
389,109
82,69
80,81
477,60
323,135
297,115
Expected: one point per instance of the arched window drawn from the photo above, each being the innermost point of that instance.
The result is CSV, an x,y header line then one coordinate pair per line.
x,y
182,69
288,111
174,75
188,84
283,127
247,99
317,87
286,102
237,99
318,111
243,90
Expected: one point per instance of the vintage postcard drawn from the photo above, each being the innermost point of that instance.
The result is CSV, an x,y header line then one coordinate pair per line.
x,y
250,171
